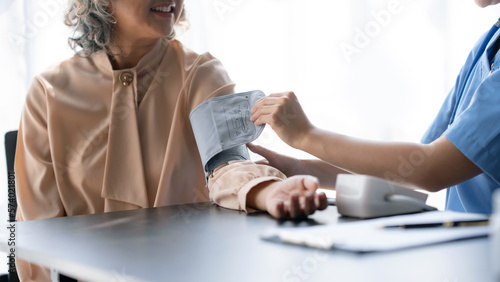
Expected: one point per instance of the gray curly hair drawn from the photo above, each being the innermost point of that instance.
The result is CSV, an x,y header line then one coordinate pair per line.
x,y
93,24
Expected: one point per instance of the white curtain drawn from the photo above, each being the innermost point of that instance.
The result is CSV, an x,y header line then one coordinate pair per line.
x,y
377,69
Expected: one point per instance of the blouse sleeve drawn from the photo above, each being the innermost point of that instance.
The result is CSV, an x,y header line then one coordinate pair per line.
x,y
230,183
37,192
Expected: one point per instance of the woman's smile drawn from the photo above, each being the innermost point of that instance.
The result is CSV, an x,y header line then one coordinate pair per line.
x,y
164,10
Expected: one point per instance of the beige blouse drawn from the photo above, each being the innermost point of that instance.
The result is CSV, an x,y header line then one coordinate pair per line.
x,y
95,140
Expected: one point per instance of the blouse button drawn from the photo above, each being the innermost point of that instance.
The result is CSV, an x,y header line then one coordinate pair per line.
x,y
126,78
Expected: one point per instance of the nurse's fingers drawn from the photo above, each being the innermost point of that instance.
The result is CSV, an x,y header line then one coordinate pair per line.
x,y
269,101
274,95
262,162
270,119
266,153
266,110
272,100
279,94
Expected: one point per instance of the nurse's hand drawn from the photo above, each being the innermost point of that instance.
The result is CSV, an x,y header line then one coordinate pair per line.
x,y
294,197
288,165
284,114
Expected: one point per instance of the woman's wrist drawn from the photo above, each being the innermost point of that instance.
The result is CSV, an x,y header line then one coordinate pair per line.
x,y
257,196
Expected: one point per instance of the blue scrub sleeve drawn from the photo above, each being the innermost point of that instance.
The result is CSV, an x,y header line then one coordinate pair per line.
x,y
442,120
440,123
476,130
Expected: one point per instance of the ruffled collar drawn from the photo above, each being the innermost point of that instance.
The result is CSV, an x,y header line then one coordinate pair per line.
x,y
146,63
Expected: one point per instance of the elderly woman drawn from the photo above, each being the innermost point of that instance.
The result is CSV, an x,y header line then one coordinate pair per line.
x,y
109,129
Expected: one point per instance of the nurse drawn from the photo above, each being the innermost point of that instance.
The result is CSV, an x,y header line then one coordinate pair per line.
x,y
459,152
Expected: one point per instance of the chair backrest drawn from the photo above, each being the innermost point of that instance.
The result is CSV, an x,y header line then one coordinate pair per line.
x,y
10,154
10,149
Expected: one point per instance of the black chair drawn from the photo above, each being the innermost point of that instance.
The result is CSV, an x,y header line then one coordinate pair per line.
x,y
10,153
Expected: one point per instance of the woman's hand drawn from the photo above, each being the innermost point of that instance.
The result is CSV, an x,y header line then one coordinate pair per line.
x,y
288,165
284,114
294,197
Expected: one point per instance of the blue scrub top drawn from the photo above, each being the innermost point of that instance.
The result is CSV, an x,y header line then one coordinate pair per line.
x,y
475,131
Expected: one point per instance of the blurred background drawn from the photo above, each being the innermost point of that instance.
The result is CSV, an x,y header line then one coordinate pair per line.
x,y
376,69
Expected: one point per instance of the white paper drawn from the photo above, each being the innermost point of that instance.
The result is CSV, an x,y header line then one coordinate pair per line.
x,y
368,236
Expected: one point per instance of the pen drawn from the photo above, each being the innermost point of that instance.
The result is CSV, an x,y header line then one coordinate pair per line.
x,y
446,224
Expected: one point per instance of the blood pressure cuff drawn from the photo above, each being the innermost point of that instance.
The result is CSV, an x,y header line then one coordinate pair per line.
x,y
222,127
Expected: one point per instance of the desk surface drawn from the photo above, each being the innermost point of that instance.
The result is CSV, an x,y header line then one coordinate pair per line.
x,y
203,242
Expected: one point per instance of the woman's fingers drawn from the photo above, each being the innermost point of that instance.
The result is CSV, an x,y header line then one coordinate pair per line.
x,y
294,210
295,197
321,201
309,205
311,183
306,202
304,205
280,210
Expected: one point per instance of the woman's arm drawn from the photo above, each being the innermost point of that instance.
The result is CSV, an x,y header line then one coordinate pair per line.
x,y
242,184
248,186
37,192
432,166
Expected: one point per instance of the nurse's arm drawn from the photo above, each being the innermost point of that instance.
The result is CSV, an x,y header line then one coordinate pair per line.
x,y
290,166
432,167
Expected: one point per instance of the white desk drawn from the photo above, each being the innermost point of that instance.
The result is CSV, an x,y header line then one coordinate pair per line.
x,y
203,242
